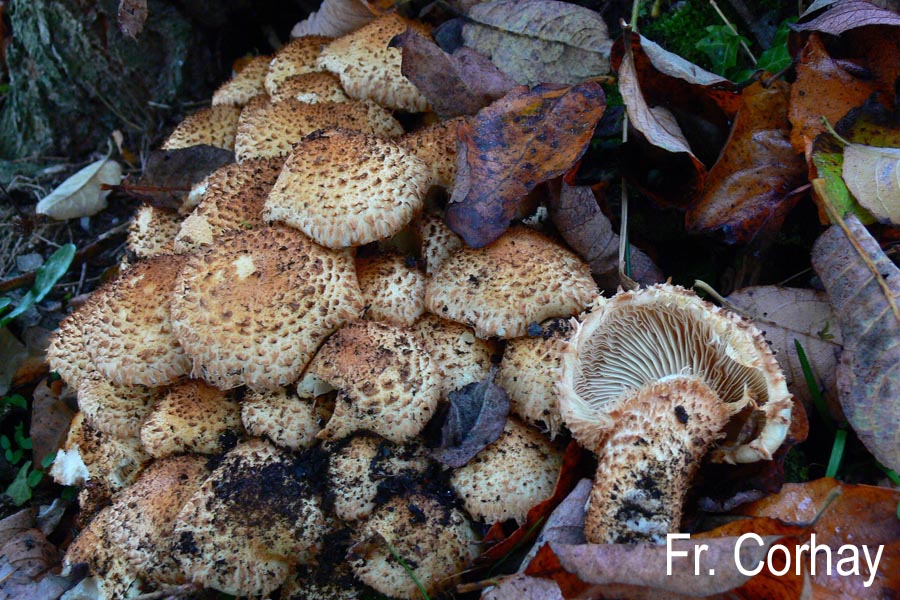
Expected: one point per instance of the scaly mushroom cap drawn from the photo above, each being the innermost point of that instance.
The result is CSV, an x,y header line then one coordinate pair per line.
x,y
311,88
639,338
436,145
215,126
506,479
143,514
192,417
249,523
152,231
392,289
343,189
368,68
529,371
233,198
438,242
128,331
388,382
246,84
289,421
461,357
91,455
435,541
273,129
312,584
294,58
111,574
522,278
252,309
66,353
366,461
114,409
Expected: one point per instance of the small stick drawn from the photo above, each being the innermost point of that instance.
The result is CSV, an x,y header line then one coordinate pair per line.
x,y
733,30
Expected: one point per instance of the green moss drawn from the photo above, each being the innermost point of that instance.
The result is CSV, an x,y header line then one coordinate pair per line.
x,y
680,27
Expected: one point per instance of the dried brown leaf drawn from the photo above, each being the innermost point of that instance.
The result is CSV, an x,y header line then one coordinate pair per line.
x,y
455,84
334,19
132,16
523,587
527,137
579,220
873,176
25,563
565,525
787,314
847,15
540,41
749,190
50,418
863,288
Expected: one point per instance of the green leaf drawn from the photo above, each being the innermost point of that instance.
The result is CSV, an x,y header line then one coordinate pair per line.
x,y
46,277
814,391
34,478
19,490
17,400
837,453
4,302
721,46
777,58
5,443
48,460
70,492
829,163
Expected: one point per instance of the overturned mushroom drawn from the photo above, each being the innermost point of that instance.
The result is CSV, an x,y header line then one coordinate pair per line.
x,y
650,380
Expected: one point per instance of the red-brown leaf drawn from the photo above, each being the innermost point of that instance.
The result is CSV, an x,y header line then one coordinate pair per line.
x,y
527,137
847,15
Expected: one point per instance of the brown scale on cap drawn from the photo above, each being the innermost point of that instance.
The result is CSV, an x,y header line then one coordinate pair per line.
x,y
435,541
294,58
513,474
113,409
438,241
273,129
250,522
128,329
393,291
253,308
368,68
287,420
529,371
388,382
436,145
522,278
192,417
66,353
232,199
152,231
651,381
215,126
344,188
311,88
356,469
245,85
461,357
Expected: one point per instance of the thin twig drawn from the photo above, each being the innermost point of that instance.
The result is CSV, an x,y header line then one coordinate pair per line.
x,y
733,30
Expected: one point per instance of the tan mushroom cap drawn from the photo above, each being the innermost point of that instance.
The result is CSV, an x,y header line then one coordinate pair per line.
x,y
91,455
462,358
368,68
294,58
436,145
313,584
529,372
311,88
192,417
111,574
249,523
343,188
215,126
663,366
128,330
287,420
239,332
152,231
358,467
246,84
509,477
231,179
233,198
388,382
435,541
438,241
114,409
392,289
66,352
273,129
142,516
524,277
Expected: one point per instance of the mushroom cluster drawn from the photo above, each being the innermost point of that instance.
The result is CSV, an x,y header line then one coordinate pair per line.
x,y
255,385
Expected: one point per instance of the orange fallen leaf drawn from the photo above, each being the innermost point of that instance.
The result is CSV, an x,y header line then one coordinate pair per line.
x,y
749,190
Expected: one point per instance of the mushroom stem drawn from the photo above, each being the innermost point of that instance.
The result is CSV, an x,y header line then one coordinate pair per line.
x,y
665,430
